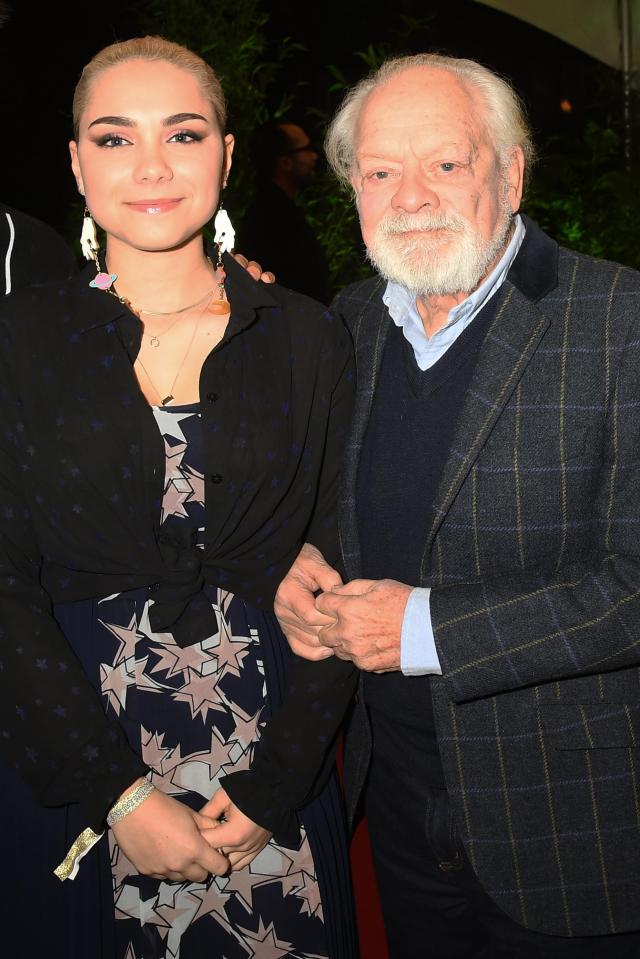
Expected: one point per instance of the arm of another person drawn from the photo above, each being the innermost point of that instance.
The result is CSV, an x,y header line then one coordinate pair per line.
x,y
296,752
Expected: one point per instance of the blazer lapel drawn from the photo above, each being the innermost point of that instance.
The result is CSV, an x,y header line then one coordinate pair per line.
x,y
511,341
370,331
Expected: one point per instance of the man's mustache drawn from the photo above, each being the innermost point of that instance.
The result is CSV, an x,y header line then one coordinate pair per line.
x,y
399,223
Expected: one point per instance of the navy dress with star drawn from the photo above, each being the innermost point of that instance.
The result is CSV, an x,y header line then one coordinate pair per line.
x,y
193,714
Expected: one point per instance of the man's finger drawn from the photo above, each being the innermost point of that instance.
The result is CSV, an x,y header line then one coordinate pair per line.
x,y
305,636
356,587
331,603
307,618
306,651
331,638
254,269
326,576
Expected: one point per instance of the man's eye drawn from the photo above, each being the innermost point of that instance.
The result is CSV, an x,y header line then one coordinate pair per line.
x,y
447,167
377,175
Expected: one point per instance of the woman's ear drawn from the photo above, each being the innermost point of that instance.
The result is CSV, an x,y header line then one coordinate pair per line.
x,y
75,165
229,144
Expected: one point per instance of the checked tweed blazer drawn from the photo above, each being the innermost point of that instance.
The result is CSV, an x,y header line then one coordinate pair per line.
x,y
534,563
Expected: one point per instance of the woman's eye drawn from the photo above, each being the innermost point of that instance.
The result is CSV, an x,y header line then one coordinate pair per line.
x,y
184,136
111,140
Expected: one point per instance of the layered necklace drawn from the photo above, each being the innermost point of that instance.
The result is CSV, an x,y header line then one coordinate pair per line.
x,y
154,339
218,305
165,400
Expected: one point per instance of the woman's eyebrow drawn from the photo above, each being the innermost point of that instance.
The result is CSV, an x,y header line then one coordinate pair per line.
x,y
167,122
182,118
113,121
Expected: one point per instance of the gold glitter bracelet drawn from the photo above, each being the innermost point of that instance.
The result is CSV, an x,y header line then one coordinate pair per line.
x,y
131,801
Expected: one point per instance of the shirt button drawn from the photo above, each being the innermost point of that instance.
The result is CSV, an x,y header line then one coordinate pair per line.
x,y
213,397
216,477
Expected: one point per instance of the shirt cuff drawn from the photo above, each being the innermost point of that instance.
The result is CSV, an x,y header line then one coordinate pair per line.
x,y
418,656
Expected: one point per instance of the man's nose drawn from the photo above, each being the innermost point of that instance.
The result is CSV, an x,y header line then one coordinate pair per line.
x,y
414,192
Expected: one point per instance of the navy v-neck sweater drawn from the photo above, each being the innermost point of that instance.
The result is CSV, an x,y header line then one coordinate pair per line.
x,y
407,442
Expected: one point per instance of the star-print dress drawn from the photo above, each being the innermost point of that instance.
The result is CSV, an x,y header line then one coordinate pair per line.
x,y
194,714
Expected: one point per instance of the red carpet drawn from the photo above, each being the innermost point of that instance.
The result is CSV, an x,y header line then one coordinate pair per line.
x,y
373,943
370,927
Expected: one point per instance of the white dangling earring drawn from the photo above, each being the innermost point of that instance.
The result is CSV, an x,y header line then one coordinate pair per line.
x,y
89,237
90,248
224,234
224,237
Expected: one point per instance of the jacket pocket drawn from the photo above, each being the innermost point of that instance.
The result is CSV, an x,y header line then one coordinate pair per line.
x,y
601,725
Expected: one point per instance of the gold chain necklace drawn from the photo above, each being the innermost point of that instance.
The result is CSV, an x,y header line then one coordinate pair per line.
x,y
106,285
164,401
183,309
154,338
104,281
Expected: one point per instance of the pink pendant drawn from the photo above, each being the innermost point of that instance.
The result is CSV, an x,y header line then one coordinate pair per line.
x,y
103,281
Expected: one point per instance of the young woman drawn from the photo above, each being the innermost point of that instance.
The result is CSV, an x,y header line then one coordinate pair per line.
x,y
171,437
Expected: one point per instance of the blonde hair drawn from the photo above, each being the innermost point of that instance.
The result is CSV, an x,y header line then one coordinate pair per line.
x,y
150,48
505,115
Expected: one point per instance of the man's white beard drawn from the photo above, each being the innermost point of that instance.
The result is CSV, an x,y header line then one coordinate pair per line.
x,y
436,264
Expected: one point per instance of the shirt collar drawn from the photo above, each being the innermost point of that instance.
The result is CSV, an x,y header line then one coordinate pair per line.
x,y
94,308
535,269
401,302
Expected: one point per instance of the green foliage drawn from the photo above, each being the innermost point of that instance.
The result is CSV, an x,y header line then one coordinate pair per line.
x,y
329,206
585,198
331,212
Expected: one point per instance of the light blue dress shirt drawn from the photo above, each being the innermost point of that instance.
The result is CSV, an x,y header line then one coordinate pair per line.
x,y
418,654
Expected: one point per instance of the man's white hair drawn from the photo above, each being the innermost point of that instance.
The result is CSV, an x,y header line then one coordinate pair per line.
x,y
505,116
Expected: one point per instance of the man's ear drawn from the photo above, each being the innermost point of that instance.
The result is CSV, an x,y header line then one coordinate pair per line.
x,y
515,178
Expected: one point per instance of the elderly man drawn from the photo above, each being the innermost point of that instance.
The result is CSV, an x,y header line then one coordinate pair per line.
x,y
490,521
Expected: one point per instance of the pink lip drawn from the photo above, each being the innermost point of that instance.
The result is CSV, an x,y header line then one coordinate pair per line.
x,y
155,206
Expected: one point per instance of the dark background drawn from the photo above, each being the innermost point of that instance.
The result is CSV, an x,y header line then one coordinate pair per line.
x,y
43,50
